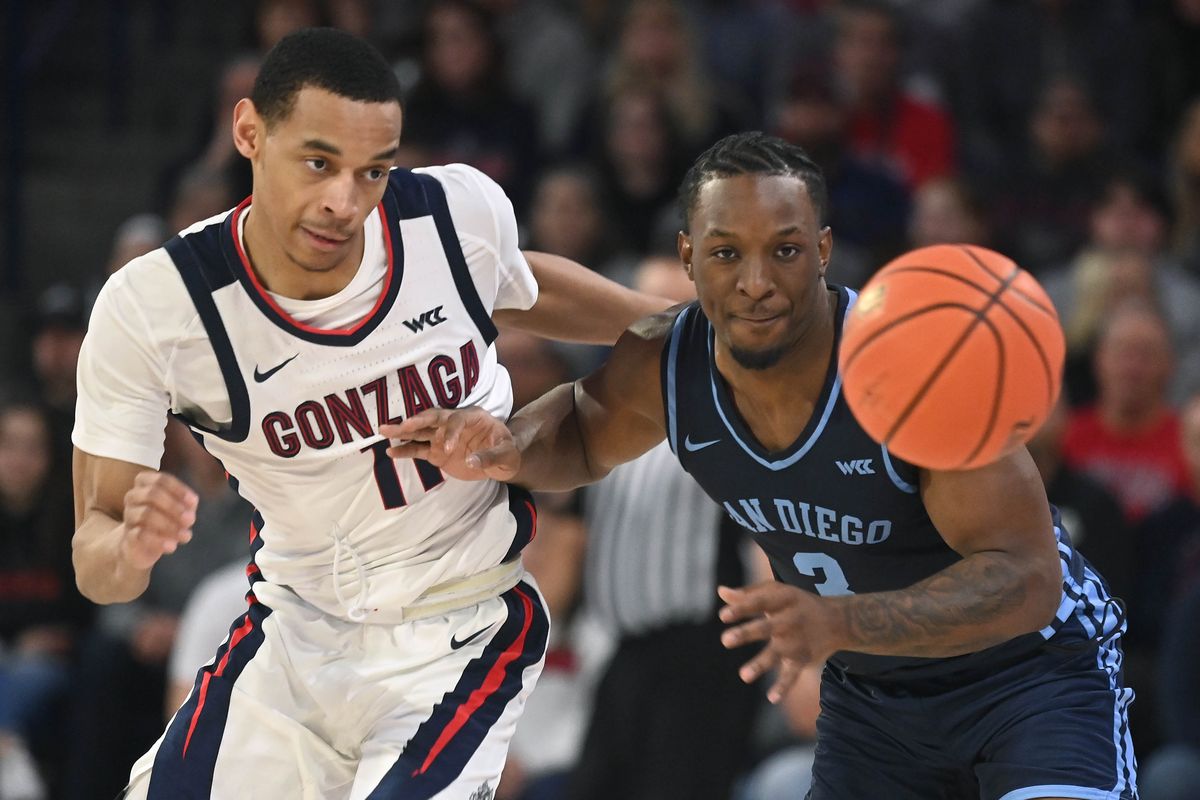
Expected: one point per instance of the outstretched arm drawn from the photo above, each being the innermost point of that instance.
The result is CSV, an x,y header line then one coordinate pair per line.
x,y
1008,583
576,304
572,435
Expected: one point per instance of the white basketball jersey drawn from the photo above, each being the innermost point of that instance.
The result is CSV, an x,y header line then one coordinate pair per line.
x,y
349,529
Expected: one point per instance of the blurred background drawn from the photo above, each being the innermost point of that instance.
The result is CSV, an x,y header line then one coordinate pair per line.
x,y
1065,133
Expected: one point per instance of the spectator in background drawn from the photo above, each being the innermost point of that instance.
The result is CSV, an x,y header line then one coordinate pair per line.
x,y
275,19
201,193
866,203
1173,71
1184,172
135,237
41,613
1042,197
639,165
118,698
947,210
1126,255
657,51
462,110
59,324
1012,51
1130,439
550,65
670,695
887,124
568,218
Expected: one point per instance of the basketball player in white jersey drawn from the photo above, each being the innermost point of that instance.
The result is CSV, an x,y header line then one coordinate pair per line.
x,y
391,635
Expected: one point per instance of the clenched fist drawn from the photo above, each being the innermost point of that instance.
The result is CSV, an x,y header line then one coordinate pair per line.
x,y
159,512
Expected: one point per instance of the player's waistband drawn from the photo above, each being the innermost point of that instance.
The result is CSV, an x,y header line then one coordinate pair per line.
x,y
443,598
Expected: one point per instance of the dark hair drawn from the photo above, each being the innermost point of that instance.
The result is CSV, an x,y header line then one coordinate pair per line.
x,y
752,153
324,58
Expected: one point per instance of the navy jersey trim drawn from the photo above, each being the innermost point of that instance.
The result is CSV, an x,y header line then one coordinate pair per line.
x,y
198,259
187,756
435,196
443,744
812,432
341,337
670,362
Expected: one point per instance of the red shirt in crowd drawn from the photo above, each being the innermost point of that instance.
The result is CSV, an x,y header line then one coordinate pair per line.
x,y
1144,471
914,138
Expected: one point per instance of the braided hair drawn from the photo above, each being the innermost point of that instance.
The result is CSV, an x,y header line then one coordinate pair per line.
x,y
752,153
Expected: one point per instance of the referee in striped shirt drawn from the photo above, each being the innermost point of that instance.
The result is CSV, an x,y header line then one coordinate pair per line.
x,y
671,718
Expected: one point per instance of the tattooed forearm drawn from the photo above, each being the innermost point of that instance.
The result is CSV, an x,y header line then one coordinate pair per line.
x,y
980,601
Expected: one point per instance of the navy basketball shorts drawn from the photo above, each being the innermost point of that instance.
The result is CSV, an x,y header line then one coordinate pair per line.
x,y
301,705
1053,725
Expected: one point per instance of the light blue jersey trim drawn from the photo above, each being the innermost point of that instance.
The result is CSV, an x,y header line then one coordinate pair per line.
x,y
1080,792
901,484
672,359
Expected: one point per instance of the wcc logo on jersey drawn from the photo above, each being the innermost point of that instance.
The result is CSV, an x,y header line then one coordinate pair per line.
x,y
431,318
859,466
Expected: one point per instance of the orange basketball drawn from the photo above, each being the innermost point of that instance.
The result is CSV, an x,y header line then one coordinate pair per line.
x,y
952,356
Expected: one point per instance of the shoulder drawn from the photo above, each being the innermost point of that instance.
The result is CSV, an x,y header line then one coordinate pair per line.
x,y
475,200
146,296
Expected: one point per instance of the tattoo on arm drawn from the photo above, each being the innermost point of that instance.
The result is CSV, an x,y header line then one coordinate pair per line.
x,y
965,607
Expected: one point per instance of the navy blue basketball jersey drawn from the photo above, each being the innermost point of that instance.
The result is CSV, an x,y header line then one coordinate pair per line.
x,y
835,512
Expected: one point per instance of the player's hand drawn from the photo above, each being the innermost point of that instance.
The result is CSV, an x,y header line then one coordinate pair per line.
x,y
792,623
159,512
465,443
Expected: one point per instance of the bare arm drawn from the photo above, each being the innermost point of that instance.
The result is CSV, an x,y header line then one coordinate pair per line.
x,y
126,518
576,304
1008,583
572,435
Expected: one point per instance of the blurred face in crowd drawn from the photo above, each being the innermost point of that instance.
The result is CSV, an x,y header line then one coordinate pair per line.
x,y
810,119
757,254
277,18
1064,125
55,357
458,51
637,134
866,54
1130,277
1133,364
566,218
1124,220
318,173
654,37
1187,147
531,363
942,214
24,454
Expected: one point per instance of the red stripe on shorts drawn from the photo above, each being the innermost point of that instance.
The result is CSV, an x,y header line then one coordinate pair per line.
x,y
239,634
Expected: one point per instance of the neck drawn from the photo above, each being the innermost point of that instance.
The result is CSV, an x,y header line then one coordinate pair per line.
x,y
279,273
1130,418
778,402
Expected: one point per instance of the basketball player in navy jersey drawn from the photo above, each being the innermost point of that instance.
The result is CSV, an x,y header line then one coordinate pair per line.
x,y
969,650
392,635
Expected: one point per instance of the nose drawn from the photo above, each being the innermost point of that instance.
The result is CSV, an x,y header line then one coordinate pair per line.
x,y
754,279
340,198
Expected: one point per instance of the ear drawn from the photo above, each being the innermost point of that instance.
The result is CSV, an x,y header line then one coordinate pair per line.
x,y
825,248
248,128
683,243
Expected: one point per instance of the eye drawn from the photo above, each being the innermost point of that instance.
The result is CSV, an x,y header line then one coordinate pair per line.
x,y
724,254
316,164
376,175
788,251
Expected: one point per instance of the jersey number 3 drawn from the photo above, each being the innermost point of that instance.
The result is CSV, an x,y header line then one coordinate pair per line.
x,y
388,480
834,582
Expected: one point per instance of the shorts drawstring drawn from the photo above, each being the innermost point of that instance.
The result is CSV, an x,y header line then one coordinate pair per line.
x,y
357,612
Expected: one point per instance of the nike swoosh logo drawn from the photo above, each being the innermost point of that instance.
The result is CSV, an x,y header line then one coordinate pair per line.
x,y
457,643
259,377
694,446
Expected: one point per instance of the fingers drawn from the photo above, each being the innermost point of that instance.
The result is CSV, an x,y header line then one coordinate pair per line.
x,y
766,660
752,601
789,671
418,426
500,463
159,513
756,630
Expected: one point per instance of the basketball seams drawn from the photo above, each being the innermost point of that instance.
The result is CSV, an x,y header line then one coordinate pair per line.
x,y
940,271
916,312
998,392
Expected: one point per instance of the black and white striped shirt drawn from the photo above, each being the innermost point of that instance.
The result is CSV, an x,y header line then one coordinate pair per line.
x,y
655,543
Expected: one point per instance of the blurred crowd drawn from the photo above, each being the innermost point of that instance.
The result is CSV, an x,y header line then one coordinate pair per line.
x,y
1065,133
